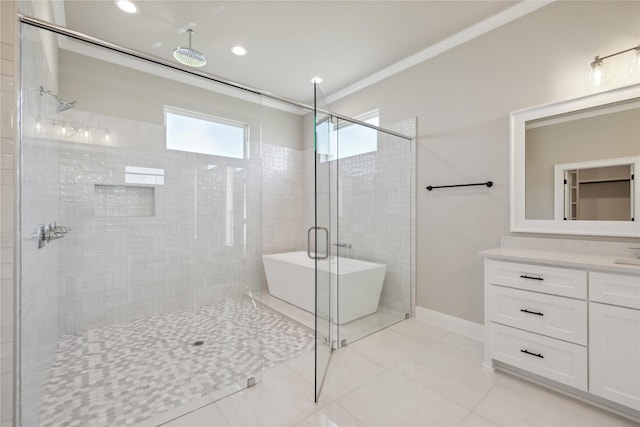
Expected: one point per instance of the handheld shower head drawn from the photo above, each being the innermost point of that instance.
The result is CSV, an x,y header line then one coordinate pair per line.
x,y
63,104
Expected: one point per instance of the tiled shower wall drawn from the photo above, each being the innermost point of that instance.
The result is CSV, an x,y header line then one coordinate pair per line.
x,y
135,250
282,199
374,212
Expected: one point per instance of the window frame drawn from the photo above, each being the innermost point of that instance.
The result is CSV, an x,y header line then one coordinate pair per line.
x,y
209,118
345,124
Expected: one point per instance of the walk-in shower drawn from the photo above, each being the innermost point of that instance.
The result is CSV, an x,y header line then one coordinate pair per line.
x,y
145,299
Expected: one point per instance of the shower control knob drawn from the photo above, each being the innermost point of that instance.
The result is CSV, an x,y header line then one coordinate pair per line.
x,y
49,232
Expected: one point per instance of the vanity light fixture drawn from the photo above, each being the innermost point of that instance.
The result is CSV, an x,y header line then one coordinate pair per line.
x,y
127,6
634,70
597,70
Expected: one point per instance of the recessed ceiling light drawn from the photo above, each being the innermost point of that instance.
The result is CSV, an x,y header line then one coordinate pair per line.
x,y
238,50
127,6
316,80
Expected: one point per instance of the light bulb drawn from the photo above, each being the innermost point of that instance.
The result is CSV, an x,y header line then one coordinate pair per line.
x,y
597,74
634,70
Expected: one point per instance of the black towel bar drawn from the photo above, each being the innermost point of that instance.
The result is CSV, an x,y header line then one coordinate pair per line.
x,y
488,184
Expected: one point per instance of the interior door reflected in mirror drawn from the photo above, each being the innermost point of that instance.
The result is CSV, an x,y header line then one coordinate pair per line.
x,y
600,190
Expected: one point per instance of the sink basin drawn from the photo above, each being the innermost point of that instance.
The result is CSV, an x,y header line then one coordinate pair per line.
x,y
629,261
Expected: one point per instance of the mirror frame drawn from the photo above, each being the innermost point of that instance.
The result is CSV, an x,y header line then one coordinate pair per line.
x,y
518,120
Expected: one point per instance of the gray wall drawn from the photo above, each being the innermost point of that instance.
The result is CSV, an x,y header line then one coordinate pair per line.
x,y
462,99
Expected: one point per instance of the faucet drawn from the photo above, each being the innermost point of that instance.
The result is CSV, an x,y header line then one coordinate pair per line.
x,y
343,245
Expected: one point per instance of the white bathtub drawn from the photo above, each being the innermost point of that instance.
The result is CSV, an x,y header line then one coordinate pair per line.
x,y
290,277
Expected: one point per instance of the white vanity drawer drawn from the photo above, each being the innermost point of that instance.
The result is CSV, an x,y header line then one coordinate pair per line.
x,y
550,315
557,360
550,280
616,289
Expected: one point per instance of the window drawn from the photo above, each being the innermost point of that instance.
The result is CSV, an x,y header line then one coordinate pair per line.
x,y
199,133
348,139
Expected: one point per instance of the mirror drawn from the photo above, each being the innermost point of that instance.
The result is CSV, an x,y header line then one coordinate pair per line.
x,y
574,164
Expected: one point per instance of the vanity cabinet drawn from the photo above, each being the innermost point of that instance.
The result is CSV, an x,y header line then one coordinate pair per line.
x,y
573,325
538,320
614,338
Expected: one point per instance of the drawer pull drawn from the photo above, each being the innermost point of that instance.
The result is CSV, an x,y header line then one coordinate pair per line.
x,y
524,350
537,313
524,276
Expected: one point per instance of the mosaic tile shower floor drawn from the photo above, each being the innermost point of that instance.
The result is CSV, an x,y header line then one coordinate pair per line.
x,y
126,373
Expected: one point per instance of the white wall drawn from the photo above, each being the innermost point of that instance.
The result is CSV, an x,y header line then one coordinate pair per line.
x,y
462,99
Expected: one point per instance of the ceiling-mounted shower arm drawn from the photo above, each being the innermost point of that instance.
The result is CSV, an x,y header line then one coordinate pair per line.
x,y
63,104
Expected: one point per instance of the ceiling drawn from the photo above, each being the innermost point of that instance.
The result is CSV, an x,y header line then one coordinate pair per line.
x,y
288,42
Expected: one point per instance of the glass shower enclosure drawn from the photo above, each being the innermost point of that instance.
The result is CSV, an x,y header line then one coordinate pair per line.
x,y
140,270
362,231
140,249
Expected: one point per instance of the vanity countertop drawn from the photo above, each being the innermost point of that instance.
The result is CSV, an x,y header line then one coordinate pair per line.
x,y
566,259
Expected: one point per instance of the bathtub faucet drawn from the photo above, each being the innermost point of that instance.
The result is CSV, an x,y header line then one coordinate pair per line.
x,y
343,245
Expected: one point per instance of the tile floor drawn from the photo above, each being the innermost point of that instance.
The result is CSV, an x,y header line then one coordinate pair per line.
x,y
410,374
350,332
126,373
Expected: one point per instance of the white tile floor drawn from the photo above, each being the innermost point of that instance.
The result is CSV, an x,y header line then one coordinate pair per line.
x,y
350,332
411,374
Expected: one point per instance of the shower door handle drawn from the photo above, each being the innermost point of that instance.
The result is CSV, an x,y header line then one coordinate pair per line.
x,y
309,243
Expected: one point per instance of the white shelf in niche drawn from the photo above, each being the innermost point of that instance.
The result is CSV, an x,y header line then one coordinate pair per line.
x,y
123,201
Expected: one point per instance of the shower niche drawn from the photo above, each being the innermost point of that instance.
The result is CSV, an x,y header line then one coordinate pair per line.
x,y
123,201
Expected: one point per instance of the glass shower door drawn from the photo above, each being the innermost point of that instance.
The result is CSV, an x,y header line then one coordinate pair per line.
x,y
320,250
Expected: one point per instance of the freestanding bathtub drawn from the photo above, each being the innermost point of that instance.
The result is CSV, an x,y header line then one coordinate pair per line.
x,y
291,277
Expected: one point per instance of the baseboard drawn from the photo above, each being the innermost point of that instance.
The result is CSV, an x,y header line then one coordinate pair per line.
x,y
454,324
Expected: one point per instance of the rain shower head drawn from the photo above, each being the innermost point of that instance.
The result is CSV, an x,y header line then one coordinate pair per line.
x,y
189,56
63,104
